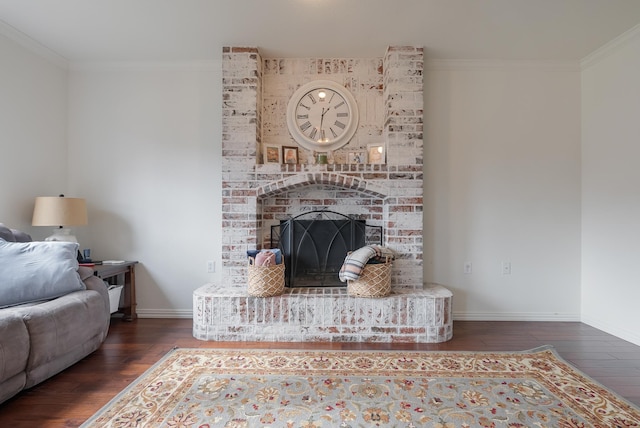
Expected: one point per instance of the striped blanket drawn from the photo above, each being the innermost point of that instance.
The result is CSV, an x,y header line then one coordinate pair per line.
x,y
355,262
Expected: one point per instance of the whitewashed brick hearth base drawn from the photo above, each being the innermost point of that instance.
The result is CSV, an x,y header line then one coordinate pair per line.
x,y
323,315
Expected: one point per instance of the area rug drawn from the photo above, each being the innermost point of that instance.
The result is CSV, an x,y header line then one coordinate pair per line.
x,y
327,388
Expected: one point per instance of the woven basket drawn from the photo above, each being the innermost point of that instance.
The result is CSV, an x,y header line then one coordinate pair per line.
x,y
265,281
374,281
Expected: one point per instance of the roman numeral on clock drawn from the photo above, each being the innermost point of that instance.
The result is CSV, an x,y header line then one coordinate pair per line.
x,y
302,116
342,115
314,131
339,104
310,96
305,126
339,124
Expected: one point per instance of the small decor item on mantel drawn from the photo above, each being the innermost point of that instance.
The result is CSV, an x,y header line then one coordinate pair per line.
x,y
376,153
356,157
290,154
330,158
272,154
322,158
266,273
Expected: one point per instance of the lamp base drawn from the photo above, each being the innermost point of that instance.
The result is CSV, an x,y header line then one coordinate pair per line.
x,y
62,234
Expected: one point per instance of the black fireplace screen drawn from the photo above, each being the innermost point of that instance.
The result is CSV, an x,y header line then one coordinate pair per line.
x,y
314,246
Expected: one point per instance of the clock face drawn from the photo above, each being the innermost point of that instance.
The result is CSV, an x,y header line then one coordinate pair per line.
x,y
322,115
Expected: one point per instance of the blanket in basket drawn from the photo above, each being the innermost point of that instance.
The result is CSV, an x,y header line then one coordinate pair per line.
x,y
355,262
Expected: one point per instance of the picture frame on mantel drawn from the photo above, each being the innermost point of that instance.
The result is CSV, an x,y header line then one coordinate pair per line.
x,y
376,153
272,154
289,155
356,157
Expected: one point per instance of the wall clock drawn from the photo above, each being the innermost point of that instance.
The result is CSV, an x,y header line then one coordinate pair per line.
x,y
322,115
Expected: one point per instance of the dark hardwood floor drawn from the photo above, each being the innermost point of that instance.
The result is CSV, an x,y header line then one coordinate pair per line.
x,y
69,398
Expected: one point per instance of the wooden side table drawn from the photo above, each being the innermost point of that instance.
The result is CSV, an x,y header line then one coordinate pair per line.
x,y
110,273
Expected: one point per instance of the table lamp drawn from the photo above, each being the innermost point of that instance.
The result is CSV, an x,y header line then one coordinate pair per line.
x,y
60,211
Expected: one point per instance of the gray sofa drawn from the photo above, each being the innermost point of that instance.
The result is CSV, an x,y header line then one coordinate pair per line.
x,y
63,316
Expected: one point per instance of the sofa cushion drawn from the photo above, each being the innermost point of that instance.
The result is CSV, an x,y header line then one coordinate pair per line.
x,y
63,331
34,271
14,345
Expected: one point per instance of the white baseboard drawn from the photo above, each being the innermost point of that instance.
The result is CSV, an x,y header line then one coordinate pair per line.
x,y
165,313
624,334
515,316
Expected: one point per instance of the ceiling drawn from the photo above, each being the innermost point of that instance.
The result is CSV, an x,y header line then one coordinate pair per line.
x,y
196,30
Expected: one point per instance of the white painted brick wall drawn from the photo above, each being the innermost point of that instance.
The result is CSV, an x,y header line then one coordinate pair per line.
x,y
389,94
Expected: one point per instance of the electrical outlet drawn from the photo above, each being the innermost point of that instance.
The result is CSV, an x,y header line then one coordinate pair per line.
x,y
467,268
506,268
211,266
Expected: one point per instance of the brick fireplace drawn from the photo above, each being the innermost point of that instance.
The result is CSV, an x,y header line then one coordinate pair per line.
x,y
257,195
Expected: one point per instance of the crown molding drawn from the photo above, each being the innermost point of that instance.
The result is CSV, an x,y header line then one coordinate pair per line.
x,y
610,48
195,66
482,64
30,44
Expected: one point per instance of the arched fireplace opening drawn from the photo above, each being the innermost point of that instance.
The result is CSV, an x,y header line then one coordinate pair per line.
x,y
314,245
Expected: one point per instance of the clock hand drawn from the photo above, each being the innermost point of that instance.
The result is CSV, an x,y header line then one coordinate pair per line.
x,y
322,135
322,116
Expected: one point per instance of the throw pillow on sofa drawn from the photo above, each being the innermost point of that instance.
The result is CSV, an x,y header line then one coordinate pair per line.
x,y
13,235
35,271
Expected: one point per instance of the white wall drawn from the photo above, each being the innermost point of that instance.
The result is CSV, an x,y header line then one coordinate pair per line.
x,y
502,165
144,143
33,126
610,192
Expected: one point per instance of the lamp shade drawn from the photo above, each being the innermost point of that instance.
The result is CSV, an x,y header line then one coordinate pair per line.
x,y
59,211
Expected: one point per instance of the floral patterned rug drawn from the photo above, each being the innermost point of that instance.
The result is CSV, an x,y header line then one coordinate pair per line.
x,y
327,388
